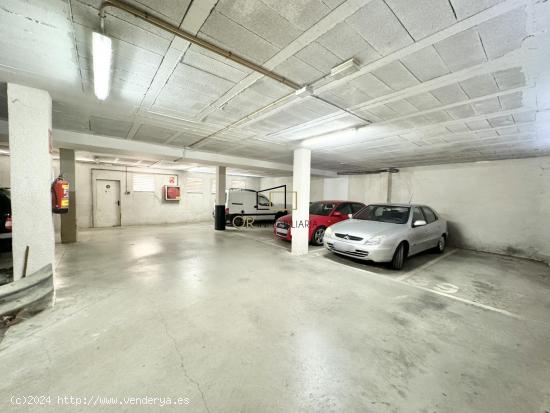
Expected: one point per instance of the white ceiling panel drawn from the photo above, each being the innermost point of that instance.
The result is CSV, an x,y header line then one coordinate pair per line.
x,y
396,76
467,8
209,62
301,13
504,33
227,33
424,101
260,19
371,85
424,17
462,50
486,106
450,94
298,71
479,86
377,24
318,57
402,107
346,43
461,112
510,78
168,93
425,64
511,101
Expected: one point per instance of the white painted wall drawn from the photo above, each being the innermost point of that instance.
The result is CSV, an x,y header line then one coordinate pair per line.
x,y
316,189
336,188
501,206
143,208
369,189
139,208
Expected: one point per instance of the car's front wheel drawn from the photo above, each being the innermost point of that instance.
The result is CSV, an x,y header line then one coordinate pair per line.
x,y
441,244
318,235
399,257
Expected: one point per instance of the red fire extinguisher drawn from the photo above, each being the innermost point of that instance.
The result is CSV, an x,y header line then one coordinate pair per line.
x,y
60,196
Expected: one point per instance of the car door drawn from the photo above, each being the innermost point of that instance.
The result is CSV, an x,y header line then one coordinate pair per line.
x,y
345,211
419,235
433,229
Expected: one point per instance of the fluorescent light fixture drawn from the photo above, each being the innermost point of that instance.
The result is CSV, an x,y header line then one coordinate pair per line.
x,y
304,92
102,56
331,139
344,69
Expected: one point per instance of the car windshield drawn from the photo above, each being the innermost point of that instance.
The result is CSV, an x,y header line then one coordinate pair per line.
x,y
321,208
384,213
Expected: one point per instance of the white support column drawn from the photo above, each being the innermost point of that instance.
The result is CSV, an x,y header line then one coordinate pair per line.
x,y
301,185
31,175
219,222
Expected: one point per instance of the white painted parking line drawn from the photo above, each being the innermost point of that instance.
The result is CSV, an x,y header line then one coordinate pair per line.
x,y
273,243
465,301
404,281
425,266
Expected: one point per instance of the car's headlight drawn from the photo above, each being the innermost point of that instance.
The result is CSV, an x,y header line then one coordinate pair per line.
x,y
328,232
375,241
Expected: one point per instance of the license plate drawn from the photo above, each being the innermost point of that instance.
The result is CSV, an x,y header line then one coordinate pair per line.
x,y
342,246
281,231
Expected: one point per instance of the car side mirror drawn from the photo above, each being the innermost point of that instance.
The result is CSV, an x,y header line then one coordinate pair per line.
x,y
336,214
419,223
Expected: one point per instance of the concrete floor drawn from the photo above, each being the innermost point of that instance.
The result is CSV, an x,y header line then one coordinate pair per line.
x,y
232,322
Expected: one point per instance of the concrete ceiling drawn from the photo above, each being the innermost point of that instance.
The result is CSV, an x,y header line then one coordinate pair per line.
x,y
440,80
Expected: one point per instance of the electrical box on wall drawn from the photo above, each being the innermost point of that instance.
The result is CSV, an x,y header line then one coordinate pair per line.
x,y
172,193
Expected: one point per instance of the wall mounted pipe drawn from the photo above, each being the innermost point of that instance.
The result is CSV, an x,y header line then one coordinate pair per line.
x,y
155,21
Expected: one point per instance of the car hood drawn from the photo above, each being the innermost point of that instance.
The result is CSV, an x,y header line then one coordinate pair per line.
x,y
367,229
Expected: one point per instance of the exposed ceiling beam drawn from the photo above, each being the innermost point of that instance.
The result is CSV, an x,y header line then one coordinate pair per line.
x,y
330,118
194,18
338,15
452,30
98,143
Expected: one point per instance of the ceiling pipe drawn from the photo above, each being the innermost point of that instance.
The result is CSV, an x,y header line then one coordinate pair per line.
x,y
155,21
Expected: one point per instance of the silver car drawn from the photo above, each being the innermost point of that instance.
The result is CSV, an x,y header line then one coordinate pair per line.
x,y
388,233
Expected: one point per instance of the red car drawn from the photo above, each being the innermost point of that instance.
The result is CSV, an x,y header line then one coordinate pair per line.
x,y
322,214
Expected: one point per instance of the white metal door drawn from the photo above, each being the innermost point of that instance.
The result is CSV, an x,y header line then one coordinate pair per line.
x,y
107,203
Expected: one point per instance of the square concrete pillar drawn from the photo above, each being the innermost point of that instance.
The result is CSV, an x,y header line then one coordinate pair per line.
x,y
31,176
67,167
300,216
219,211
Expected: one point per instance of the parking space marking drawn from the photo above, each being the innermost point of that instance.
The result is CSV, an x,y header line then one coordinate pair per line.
x,y
465,301
263,241
426,265
403,281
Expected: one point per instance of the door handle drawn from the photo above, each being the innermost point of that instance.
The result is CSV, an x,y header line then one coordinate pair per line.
x,y
118,203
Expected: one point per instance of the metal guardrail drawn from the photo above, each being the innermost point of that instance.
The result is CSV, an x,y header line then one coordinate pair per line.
x,y
26,291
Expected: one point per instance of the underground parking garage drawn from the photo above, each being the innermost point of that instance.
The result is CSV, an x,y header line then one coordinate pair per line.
x,y
260,206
